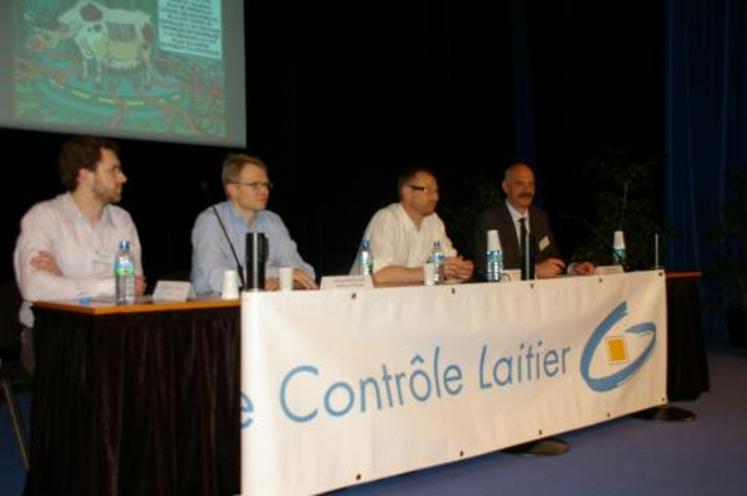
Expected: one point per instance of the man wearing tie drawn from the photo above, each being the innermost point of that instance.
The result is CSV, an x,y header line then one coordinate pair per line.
x,y
523,229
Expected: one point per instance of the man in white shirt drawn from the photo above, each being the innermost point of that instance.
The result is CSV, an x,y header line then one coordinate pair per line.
x,y
67,244
401,235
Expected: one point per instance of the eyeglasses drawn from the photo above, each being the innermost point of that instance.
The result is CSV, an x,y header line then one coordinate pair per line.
x,y
256,185
424,189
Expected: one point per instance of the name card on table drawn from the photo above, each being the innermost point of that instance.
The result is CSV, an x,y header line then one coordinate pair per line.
x,y
603,270
173,291
347,282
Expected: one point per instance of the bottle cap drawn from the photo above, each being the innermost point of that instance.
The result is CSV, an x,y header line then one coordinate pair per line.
x,y
618,240
494,243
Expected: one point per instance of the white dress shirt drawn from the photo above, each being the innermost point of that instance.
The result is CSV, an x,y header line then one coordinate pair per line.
x,y
396,240
84,252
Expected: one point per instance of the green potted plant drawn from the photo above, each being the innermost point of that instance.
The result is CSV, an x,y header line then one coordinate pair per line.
x,y
626,194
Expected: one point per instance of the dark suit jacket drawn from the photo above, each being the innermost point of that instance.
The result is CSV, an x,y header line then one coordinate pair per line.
x,y
500,218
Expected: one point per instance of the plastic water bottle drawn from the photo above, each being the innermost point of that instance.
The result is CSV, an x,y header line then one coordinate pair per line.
x,y
437,259
494,257
618,248
365,259
124,274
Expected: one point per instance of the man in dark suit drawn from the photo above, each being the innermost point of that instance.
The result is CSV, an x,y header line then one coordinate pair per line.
x,y
508,218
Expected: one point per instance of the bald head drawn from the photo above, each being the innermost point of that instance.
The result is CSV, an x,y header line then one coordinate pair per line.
x,y
518,184
516,167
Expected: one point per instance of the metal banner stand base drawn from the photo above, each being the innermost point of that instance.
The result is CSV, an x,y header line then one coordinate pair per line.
x,y
549,446
666,413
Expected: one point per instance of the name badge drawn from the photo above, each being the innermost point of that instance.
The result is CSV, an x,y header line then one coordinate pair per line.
x,y
103,259
544,243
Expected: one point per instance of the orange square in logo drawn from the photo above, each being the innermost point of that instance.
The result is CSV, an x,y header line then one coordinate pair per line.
x,y
616,350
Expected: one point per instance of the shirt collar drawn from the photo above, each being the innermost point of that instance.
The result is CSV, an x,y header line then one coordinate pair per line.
x,y
515,214
75,215
405,219
236,217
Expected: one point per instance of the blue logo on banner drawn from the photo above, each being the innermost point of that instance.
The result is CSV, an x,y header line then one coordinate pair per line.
x,y
247,408
610,382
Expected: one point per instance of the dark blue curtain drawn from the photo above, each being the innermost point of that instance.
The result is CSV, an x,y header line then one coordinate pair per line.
x,y
524,141
706,135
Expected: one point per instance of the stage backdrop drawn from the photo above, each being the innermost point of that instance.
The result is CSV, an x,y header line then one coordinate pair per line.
x,y
706,121
342,387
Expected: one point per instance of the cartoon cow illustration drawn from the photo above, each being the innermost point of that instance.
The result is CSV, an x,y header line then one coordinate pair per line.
x,y
110,38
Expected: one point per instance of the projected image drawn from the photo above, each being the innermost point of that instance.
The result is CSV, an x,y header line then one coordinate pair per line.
x,y
153,65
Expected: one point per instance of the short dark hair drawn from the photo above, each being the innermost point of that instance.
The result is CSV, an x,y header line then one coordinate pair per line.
x,y
235,163
81,152
407,175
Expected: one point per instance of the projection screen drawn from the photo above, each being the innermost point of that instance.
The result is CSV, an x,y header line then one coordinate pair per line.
x,y
163,70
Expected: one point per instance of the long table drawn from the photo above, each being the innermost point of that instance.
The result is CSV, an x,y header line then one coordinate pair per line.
x,y
145,399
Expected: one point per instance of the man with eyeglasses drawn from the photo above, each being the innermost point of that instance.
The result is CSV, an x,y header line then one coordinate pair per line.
x,y
247,187
401,235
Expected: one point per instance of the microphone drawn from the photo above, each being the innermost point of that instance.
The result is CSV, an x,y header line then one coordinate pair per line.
x,y
233,250
594,231
527,269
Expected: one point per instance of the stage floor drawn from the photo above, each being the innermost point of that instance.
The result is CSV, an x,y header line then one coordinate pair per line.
x,y
622,457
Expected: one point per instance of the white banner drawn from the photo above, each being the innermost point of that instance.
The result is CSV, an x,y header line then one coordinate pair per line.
x,y
344,387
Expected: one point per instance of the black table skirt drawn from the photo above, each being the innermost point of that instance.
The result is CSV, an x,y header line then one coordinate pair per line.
x,y
131,404
687,365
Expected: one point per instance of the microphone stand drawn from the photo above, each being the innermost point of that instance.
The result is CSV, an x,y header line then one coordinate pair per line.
x,y
233,251
527,270
549,446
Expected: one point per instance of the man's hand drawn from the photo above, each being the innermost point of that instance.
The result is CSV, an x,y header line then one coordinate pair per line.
x,y
140,285
272,284
458,268
551,267
583,269
302,279
45,261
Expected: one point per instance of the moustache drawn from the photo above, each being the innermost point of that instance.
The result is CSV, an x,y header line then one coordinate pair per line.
x,y
526,195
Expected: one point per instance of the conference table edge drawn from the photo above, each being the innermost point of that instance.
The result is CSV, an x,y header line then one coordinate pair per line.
x,y
109,308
